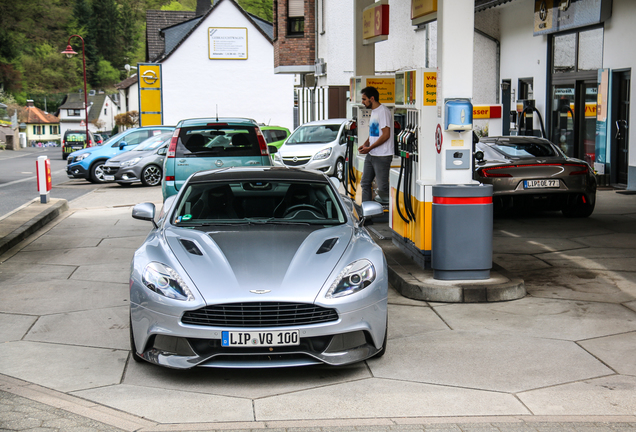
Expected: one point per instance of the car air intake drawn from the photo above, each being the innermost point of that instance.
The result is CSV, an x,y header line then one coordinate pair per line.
x,y
327,245
191,247
259,314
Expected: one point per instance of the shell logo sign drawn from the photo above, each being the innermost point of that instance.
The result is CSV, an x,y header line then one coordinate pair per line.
x,y
375,22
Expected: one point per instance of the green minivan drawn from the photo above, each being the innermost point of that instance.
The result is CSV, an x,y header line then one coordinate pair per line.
x,y
212,143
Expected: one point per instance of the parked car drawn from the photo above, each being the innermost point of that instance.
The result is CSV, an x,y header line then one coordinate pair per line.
x,y
74,140
88,163
257,267
275,135
531,172
319,145
207,143
99,139
142,164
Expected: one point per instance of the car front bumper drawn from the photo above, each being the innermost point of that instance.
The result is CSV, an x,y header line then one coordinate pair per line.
x,y
76,171
355,336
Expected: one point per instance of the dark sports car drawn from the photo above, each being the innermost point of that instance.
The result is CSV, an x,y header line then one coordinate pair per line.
x,y
532,173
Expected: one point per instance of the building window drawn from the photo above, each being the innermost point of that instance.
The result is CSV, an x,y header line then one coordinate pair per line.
x,y
54,130
577,52
73,112
105,111
295,17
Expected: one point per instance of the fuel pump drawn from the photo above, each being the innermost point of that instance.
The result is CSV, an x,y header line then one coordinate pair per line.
x,y
350,132
525,118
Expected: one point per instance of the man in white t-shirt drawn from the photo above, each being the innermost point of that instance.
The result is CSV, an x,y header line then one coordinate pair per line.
x,y
378,148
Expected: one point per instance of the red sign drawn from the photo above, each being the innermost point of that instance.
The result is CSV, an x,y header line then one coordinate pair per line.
x,y
375,21
438,139
486,111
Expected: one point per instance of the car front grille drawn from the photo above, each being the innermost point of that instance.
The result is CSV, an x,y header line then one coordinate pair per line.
x,y
299,161
110,170
259,314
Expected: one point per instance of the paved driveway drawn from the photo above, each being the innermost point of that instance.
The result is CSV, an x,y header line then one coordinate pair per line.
x,y
567,349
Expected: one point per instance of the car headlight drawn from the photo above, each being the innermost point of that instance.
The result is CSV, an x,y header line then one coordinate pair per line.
x,y
323,154
81,157
165,281
130,162
353,278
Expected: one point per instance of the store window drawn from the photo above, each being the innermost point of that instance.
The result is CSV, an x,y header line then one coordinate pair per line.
x,y
296,17
580,51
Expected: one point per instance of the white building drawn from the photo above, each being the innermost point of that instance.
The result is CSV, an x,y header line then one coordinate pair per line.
x,y
102,110
197,82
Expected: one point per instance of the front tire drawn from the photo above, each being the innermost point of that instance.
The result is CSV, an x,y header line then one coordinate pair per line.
x,y
339,169
151,175
97,172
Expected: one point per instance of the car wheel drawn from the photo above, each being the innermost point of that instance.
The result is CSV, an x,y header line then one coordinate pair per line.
x,y
133,350
151,175
580,209
97,172
339,169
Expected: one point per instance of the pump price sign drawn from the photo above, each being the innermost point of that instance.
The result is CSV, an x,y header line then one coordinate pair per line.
x,y
386,88
430,88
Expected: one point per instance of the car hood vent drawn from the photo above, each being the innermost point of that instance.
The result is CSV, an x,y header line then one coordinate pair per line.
x,y
191,247
327,245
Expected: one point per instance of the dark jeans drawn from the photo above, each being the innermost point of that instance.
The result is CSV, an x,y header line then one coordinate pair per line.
x,y
377,167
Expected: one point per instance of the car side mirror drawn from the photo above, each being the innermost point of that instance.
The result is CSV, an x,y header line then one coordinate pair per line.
x,y
162,151
145,211
122,144
370,209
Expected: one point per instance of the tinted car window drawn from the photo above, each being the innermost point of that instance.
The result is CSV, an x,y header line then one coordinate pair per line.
x,y
222,140
318,134
153,142
258,201
75,136
274,135
526,149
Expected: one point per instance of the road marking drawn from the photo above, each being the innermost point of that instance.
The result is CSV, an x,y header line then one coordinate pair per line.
x,y
27,179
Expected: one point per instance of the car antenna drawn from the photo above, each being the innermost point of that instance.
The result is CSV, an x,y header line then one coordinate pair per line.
x,y
217,112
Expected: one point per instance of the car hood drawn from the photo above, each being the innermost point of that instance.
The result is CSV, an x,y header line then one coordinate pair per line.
x,y
86,150
303,149
269,258
117,160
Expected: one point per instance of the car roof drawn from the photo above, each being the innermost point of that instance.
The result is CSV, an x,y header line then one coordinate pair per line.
x,y
273,128
326,122
258,173
204,121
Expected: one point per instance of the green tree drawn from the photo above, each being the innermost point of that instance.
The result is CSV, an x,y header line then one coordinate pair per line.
x,y
261,8
106,32
106,75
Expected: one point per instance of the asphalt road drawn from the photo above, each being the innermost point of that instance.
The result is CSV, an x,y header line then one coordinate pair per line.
x,y
18,178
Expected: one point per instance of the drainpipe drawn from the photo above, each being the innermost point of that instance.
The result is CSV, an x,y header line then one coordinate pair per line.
x,y
496,41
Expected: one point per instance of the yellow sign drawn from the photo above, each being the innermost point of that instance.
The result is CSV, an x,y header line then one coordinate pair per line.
x,y
420,8
375,22
430,89
150,94
386,88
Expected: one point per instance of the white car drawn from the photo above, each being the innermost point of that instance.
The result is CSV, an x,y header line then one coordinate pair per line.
x,y
320,145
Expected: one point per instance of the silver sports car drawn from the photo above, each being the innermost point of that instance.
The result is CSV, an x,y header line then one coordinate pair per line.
x,y
257,267
532,173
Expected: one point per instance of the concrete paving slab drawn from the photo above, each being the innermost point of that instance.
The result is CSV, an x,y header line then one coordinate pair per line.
x,y
618,351
614,395
404,321
77,256
614,240
242,383
594,259
57,296
497,362
519,262
580,284
631,305
104,197
16,273
378,398
171,406
54,243
13,327
398,299
114,272
533,245
99,328
62,367
132,242
548,226
542,318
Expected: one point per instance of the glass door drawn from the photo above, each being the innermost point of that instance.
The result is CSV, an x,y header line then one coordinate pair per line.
x,y
563,107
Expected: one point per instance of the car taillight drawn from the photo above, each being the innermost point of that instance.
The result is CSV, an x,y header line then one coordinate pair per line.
x,y
169,178
583,169
261,143
492,172
172,149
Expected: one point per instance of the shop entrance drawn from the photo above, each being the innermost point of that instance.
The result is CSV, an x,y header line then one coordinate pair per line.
x,y
620,126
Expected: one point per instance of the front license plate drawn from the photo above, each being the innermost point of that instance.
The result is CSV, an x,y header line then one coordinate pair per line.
x,y
109,178
533,184
255,339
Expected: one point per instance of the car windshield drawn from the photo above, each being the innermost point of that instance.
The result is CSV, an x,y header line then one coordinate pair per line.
x,y
524,149
153,142
113,138
314,134
258,202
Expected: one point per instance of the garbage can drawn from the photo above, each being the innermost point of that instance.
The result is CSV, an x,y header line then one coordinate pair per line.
x,y
462,232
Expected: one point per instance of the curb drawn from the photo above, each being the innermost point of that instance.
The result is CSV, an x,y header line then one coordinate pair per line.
x,y
32,225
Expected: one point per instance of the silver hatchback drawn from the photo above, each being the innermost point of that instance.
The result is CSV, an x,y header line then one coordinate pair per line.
x,y
319,145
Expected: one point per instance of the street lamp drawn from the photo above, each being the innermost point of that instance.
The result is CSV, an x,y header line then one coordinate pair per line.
x,y
68,52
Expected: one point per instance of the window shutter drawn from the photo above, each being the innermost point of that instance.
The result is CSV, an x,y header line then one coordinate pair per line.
x,y
296,8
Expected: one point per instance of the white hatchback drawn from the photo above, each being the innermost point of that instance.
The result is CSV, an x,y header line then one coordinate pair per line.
x,y
320,145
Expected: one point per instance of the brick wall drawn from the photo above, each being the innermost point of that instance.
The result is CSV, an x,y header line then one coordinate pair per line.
x,y
294,50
